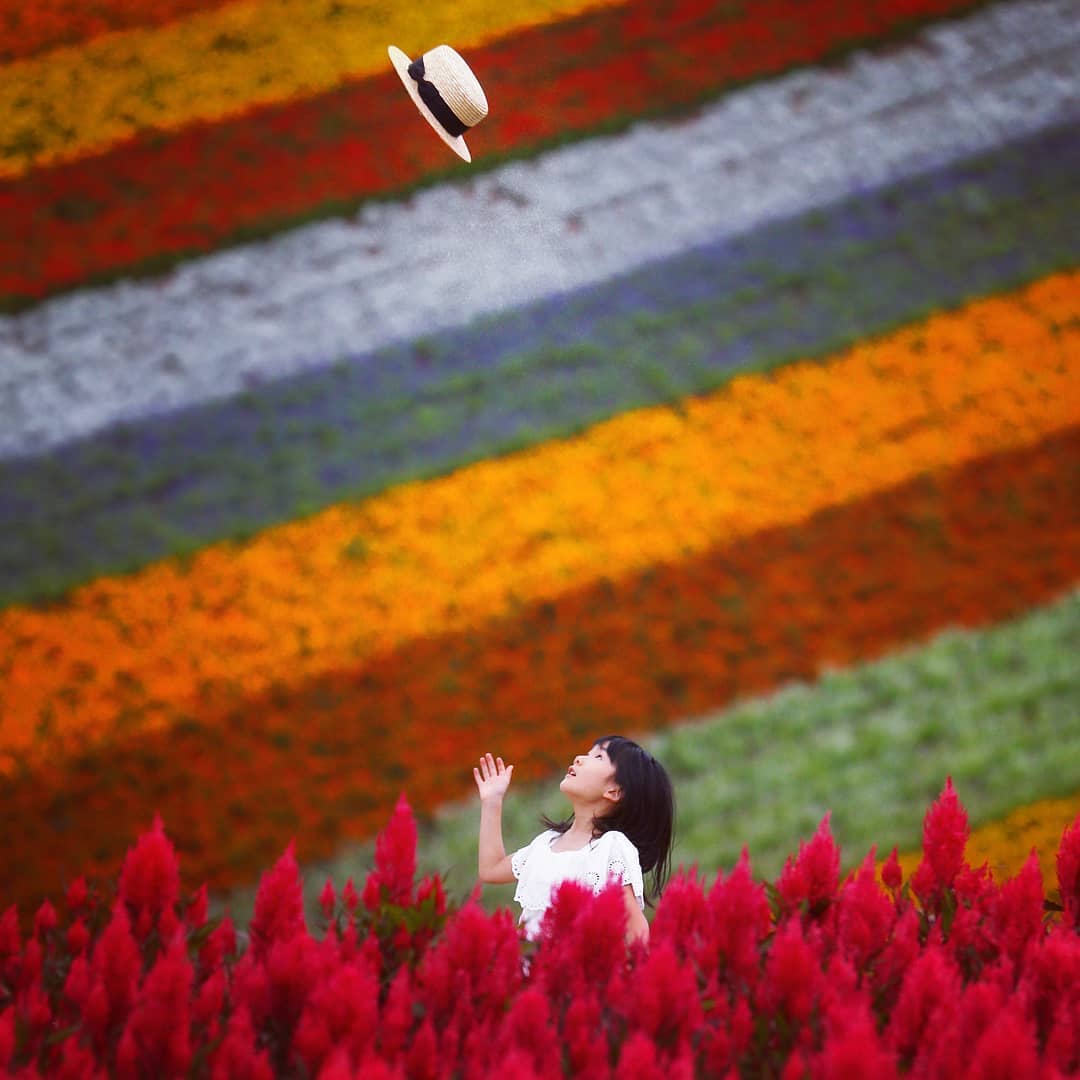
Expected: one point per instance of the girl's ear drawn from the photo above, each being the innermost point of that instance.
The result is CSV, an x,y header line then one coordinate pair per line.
x,y
613,794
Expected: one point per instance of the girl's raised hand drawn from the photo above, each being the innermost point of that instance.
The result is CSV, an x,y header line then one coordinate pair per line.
x,y
492,778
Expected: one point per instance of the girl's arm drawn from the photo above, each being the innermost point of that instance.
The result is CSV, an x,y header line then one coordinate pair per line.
x,y
492,780
637,926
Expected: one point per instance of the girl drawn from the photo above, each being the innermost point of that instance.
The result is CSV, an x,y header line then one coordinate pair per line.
x,y
621,826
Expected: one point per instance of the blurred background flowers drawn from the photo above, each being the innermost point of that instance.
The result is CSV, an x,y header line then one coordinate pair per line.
x,y
731,398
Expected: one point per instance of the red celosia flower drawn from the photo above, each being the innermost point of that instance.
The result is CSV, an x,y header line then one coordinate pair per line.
x,y
395,859
1050,983
29,971
928,998
892,875
77,1062
739,919
584,1035
582,939
77,895
337,1067
45,920
279,905
1017,910
1007,1048
220,944
150,878
77,983
159,1026
813,877
1068,872
528,1028
665,1003
432,888
852,1048
349,896
294,967
639,1059
10,944
395,1021
328,900
237,1057
78,937
7,1035
791,976
421,1059
342,1011
251,987
35,1012
477,958
865,916
210,999
116,964
95,1015
198,909
945,835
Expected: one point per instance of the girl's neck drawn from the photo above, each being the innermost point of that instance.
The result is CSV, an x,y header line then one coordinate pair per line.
x,y
582,826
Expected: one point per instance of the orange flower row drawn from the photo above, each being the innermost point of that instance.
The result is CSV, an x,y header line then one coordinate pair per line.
x,y
331,593
324,759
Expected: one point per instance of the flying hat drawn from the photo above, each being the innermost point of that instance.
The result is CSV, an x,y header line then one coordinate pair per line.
x,y
446,92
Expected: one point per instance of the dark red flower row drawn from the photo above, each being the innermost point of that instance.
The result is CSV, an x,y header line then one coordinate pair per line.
x,y
162,196
948,974
982,543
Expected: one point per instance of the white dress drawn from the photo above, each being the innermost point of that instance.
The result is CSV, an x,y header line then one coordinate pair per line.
x,y
538,870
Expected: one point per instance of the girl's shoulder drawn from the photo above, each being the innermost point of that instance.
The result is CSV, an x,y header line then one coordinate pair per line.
x,y
614,840
544,839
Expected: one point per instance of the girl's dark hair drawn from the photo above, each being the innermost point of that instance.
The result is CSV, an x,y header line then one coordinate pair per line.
x,y
645,813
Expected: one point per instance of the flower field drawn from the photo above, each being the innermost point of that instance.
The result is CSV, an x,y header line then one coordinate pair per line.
x,y
944,971
162,162
731,400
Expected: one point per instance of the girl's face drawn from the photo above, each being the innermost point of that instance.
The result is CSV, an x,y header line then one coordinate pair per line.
x,y
591,777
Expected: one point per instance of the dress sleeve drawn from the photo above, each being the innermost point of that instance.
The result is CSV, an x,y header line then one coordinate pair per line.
x,y
521,856
624,865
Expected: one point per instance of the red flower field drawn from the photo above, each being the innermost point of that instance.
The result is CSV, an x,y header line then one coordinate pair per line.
x,y
950,973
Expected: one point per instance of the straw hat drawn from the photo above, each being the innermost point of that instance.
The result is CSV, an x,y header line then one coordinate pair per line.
x,y
446,92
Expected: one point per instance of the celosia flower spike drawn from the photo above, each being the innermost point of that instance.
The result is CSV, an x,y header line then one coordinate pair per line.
x,y
1068,872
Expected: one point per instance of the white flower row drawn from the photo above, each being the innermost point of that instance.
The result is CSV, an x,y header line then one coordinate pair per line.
x,y
566,219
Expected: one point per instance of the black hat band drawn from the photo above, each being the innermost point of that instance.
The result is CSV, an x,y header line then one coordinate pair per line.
x,y
431,97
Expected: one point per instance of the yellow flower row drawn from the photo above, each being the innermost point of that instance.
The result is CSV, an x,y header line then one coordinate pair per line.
x,y
1005,845
653,486
79,100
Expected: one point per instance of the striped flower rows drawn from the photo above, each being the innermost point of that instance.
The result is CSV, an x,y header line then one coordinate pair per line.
x,y
809,285
323,593
201,180
651,568
769,511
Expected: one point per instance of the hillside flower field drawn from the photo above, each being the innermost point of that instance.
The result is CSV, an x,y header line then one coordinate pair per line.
x,y
729,399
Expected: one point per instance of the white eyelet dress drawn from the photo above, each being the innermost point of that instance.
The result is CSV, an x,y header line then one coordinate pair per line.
x,y
538,870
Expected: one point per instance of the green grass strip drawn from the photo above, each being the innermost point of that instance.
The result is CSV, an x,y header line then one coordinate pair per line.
x,y
998,709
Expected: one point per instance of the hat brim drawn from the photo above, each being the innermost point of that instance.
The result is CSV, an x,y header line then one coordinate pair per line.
x,y
401,64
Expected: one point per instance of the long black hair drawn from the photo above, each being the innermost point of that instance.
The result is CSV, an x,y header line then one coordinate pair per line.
x,y
645,813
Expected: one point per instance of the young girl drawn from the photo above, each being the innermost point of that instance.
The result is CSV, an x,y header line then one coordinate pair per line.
x,y
621,827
